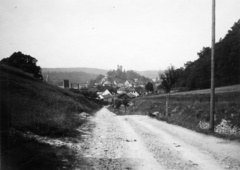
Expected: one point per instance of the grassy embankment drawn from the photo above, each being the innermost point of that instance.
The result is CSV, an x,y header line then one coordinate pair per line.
x,y
28,104
187,109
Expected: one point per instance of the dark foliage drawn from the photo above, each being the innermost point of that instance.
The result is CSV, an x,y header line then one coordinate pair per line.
x,y
125,102
25,63
117,103
149,87
119,74
96,80
169,78
196,74
140,90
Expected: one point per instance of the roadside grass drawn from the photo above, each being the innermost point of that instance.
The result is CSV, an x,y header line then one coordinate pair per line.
x,y
189,109
28,154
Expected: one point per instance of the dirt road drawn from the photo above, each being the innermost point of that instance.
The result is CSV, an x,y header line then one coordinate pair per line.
x,y
140,142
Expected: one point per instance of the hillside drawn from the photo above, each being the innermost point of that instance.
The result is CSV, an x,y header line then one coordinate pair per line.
x,y
29,101
73,76
196,74
149,73
30,106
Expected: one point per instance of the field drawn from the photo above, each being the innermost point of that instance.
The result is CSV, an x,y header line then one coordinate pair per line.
x,y
225,89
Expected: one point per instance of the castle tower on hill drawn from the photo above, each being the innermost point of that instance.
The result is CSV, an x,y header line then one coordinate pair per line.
x,y
119,67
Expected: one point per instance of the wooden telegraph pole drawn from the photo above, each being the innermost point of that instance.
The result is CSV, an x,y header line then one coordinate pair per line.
x,y
212,102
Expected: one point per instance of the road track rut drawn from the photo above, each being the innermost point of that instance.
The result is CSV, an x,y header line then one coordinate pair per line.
x,y
140,142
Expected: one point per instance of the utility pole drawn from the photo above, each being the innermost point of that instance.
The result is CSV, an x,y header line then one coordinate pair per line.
x,y
212,102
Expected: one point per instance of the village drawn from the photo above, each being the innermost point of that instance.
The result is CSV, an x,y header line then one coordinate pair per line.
x,y
110,87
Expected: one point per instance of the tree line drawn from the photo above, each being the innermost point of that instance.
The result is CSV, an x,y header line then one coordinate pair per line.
x,y
196,74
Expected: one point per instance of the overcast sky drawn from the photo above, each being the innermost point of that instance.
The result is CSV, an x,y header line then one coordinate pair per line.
x,y
138,34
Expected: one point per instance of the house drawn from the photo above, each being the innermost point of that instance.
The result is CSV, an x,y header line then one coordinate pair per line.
x,y
120,91
131,95
106,92
84,85
75,86
155,79
135,93
64,84
135,80
123,96
99,93
107,83
100,97
127,84
107,98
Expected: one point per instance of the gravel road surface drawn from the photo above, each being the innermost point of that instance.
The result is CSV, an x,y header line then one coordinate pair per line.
x,y
140,142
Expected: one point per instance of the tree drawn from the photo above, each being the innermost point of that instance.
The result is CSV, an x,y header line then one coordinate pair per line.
x,y
125,103
25,63
117,103
169,78
149,87
140,90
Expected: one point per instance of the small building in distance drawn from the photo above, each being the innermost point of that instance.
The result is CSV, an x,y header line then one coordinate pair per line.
x,y
75,86
64,84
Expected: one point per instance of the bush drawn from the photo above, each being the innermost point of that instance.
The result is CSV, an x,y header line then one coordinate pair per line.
x,y
25,63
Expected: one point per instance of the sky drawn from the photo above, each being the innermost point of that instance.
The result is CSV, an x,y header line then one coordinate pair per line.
x,y
137,34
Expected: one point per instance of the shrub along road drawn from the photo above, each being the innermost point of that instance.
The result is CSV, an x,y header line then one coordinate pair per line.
x,y
140,142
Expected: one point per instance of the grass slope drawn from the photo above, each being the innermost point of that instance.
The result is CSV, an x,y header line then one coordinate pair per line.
x,y
27,104
34,105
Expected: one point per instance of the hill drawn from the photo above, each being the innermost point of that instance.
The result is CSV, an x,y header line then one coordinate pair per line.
x,y
30,102
120,76
196,74
76,69
75,75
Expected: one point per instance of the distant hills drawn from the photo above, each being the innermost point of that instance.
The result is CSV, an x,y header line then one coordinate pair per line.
x,y
149,73
76,69
94,72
